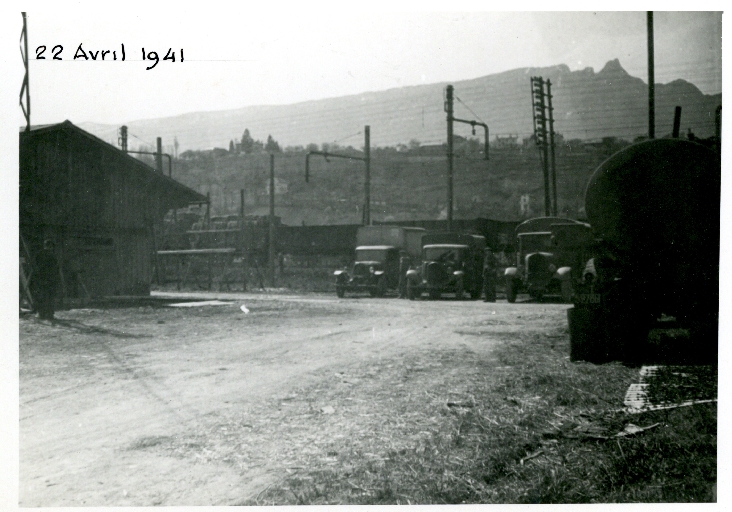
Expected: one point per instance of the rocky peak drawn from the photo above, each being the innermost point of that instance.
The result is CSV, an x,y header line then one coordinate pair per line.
x,y
612,69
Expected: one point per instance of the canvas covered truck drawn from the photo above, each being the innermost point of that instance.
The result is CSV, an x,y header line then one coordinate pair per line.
x,y
451,263
552,252
654,209
379,250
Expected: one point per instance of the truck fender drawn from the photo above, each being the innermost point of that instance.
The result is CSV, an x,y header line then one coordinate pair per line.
x,y
510,272
458,273
564,273
339,273
378,272
413,275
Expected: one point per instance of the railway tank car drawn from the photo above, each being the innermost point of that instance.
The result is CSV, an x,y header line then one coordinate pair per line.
x,y
654,210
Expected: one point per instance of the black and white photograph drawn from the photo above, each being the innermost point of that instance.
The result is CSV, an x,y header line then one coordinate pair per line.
x,y
381,254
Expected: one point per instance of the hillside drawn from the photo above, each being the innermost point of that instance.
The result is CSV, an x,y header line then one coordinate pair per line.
x,y
587,105
404,185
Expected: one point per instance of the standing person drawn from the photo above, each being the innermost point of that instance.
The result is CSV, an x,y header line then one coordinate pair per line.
x,y
489,276
403,267
45,281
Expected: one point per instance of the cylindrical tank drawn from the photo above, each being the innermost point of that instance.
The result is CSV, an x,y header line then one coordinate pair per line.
x,y
655,208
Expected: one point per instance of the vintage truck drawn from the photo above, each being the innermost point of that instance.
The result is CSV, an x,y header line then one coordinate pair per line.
x,y
654,208
376,266
451,263
552,252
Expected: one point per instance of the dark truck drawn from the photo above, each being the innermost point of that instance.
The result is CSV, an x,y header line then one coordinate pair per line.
x,y
376,266
552,252
654,210
451,263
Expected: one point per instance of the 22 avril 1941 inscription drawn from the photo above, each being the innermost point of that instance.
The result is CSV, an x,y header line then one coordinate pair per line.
x,y
106,54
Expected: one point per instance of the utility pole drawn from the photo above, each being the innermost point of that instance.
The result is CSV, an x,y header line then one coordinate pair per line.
x,y
367,184
159,156
366,159
651,80
677,122
451,119
271,220
540,134
449,110
26,79
122,139
551,145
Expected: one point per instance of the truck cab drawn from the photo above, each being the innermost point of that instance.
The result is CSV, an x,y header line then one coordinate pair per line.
x,y
378,252
551,254
375,270
451,263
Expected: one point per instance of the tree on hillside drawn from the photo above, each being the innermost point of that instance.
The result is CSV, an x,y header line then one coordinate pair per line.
x,y
231,146
312,147
247,142
272,146
330,147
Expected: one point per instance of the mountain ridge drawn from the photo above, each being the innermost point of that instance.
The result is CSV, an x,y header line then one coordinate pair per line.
x,y
587,105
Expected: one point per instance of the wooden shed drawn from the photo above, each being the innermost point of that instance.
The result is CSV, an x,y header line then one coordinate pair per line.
x,y
98,204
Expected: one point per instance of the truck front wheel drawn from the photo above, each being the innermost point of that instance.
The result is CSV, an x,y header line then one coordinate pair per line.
x,y
566,290
411,292
340,291
460,290
511,291
380,289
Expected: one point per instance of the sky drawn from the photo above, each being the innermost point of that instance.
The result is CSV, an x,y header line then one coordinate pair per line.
x,y
249,56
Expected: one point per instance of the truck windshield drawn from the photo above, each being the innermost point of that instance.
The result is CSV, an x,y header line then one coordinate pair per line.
x,y
371,255
535,242
442,254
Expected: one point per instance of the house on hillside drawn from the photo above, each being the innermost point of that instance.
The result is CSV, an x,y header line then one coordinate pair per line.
x,y
509,141
98,204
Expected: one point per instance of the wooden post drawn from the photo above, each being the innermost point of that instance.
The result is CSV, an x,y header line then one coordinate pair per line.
x,y
210,272
208,210
177,272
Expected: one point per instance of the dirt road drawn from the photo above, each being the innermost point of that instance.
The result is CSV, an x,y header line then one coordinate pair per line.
x,y
209,405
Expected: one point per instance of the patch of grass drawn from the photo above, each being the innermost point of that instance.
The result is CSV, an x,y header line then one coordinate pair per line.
x,y
676,463
523,426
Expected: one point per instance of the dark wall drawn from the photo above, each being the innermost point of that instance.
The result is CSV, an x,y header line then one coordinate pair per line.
x,y
99,206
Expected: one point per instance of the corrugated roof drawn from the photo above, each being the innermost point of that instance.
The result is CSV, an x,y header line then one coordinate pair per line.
x,y
193,196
